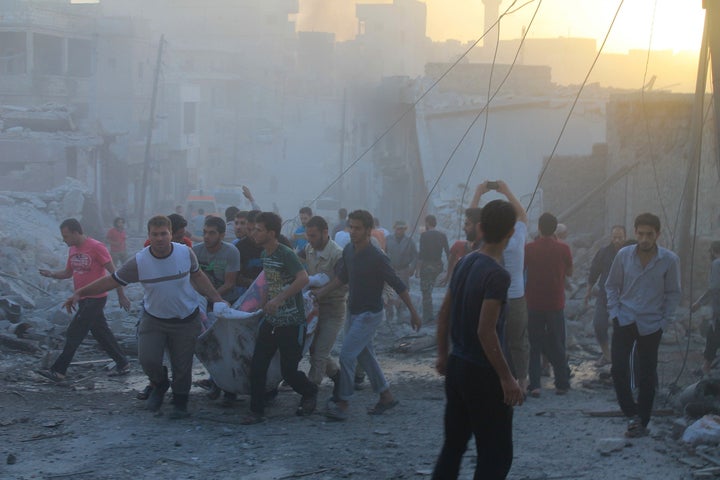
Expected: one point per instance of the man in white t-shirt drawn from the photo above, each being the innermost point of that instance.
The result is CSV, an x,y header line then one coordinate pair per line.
x,y
516,317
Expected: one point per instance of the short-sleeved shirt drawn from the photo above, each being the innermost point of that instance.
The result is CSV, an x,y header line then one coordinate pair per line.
x,y
216,265
87,262
169,295
326,261
250,257
117,239
281,267
365,272
476,278
547,261
432,244
514,260
299,243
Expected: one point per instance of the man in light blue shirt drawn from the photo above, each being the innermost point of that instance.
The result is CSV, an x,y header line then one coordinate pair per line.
x,y
643,291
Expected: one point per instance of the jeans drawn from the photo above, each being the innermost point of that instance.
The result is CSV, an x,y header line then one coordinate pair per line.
x,y
428,274
289,340
154,336
89,318
475,407
623,339
357,347
546,332
330,321
601,322
516,336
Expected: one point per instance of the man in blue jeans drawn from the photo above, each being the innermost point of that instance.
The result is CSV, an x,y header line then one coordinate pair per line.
x,y
643,291
479,386
365,269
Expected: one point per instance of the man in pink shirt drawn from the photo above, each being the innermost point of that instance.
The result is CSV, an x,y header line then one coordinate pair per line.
x,y
117,239
88,260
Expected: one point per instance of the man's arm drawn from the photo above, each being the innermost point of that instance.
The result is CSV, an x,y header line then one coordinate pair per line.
x,y
593,274
230,282
122,298
248,194
201,283
443,335
480,190
519,209
301,279
101,285
415,320
57,274
568,262
487,334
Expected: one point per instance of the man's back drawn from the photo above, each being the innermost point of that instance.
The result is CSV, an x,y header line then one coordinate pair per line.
x,y
432,244
547,262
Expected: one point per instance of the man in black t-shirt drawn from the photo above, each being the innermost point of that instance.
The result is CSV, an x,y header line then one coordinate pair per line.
x,y
429,264
479,385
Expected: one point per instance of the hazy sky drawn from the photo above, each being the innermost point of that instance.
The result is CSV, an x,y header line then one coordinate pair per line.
x,y
678,23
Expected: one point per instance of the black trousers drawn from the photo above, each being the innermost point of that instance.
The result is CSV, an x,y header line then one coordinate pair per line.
x,y
289,341
475,408
89,318
623,339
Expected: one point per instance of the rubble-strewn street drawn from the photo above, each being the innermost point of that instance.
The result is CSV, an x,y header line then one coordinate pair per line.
x,y
92,427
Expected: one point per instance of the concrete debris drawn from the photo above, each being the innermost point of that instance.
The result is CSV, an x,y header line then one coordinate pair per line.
x,y
606,446
704,431
700,398
50,117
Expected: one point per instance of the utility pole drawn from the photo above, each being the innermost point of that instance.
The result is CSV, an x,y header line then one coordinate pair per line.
x,y
148,141
343,132
712,14
688,201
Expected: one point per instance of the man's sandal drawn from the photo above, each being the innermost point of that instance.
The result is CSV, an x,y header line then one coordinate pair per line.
x,y
382,407
51,375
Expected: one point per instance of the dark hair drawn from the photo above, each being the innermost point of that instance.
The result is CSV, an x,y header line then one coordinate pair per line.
x,y
216,222
241,214
497,220
621,227
649,220
201,211
230,213
73,225
342,213
547,224
306,210
177,222
118,219
159,221
271,221
473,214
317,222
431,220
252,215
364,216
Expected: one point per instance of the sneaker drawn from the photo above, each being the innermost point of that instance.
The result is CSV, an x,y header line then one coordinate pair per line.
x,y
145,393
636,429
307,405
119,371
334,412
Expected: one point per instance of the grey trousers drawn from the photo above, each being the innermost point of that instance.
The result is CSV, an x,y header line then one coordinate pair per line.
x,y
358,347
179,338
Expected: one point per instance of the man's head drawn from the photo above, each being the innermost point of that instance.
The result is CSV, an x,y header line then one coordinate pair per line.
x,y
400,228
230,213
177,226
72,232
497,222
305,215
179,209
472,224
342,214
316,232
647,231
241,228
160,234
430,222
119,223
267,228
547,224
618,236
561,231
201,211
213,232
361,224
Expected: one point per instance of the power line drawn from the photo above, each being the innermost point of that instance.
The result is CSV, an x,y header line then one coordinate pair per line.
x,y
572,108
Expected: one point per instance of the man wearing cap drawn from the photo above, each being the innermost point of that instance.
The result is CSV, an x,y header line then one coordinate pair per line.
x,y
403,255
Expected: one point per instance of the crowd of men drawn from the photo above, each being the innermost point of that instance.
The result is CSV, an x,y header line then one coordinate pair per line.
x,y
503,309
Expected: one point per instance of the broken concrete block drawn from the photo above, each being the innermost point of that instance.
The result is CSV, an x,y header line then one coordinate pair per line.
x,y
59,317
608,445
6,201
72,202
704,431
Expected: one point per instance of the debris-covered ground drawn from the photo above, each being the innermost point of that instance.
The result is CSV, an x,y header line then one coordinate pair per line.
x,y
92,427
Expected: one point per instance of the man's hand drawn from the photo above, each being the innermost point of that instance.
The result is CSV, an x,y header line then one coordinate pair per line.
x,y
271,307
441,364
45,273
415,321
512,393
247,194
481,189
124,301
503,188
70,303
